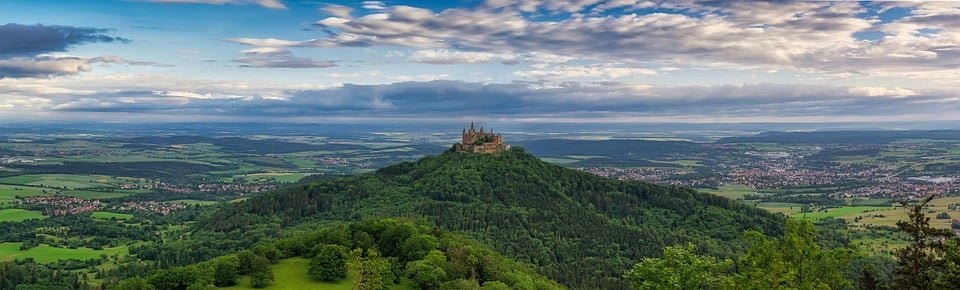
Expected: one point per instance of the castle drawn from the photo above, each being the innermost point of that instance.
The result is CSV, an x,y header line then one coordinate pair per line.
x,y
474,141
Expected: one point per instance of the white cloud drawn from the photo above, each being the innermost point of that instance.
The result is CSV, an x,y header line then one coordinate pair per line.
x,y
272,4
582,72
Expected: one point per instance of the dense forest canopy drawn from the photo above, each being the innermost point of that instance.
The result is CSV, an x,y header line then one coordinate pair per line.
x,y
578,228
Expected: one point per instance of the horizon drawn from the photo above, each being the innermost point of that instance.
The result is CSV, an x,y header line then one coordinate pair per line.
x,y
532,61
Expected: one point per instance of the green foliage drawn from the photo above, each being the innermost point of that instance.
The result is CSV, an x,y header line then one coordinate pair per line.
x,y
260,279
919,262
578,228
796,261
451,261
329,263
226,271
372,271
680,268
429,272
134,284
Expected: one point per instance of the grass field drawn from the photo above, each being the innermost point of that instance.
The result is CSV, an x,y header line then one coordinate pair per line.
x,y
9,193
731,191
46,254
781,207
291,274
69,181
19,215
110,215
284,177
87,194
844,212
890,216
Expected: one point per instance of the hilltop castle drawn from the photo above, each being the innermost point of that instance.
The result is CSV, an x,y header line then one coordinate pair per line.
x,y
474,141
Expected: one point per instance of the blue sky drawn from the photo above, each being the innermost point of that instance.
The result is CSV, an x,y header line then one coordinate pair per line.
x,y
513,61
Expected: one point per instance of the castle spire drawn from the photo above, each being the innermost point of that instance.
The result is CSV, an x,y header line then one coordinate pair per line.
x,y
471,125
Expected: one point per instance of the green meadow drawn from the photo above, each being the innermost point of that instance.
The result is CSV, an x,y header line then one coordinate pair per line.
x,y
731,191
46,254
69,181
291,274
844,212
110,215
19,215
9,193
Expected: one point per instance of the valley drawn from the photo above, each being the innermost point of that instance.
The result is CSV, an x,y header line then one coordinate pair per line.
x,y
113,204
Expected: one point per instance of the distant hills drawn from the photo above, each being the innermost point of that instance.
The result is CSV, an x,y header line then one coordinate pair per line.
x,y
577,228
844,137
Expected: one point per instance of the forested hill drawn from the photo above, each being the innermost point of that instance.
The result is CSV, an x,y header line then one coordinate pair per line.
x,y
579,229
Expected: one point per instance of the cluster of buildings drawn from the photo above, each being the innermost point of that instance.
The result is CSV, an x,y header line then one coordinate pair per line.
x,y
61,205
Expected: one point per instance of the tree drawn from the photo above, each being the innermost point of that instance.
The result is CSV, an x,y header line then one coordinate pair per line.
x,y
134,284
260,279
201,286
428,272
796,261
950,271
680,268
328,264
372,270
918,262
225,271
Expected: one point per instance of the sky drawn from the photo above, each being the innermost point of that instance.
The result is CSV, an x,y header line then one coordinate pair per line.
x,y
572,61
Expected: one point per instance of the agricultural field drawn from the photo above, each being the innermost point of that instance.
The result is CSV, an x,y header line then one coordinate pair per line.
x,y
843,212
781,207
731,191
46,254
19,215
60,181
8,193
110,215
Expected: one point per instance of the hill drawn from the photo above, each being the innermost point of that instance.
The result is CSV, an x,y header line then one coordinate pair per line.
x,y
392,253
577,228
844,137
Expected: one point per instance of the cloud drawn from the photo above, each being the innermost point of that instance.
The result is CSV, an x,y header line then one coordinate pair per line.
x,y
337,10
519,100
583,72
272,57
814,36
30,40
54,65
373,5
443,56
446,56
272,4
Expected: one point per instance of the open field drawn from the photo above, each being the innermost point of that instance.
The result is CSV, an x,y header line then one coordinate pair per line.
x,y
69,181
731,191
284,177
9,193
45,253
88,194
890,216
110,215
291,274
781,207
844,212
19,215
